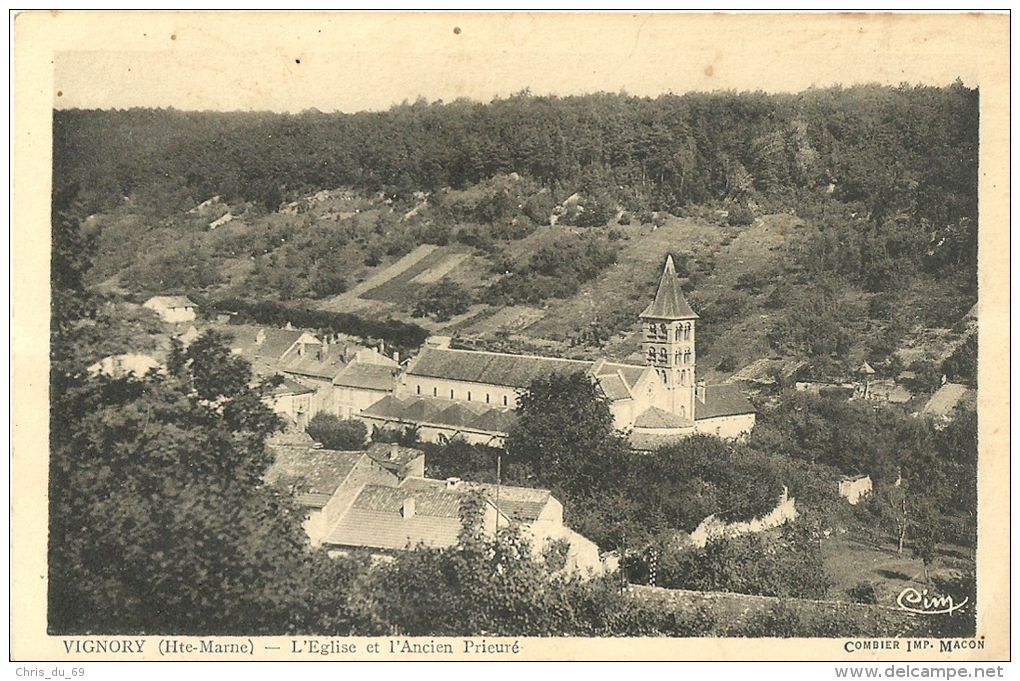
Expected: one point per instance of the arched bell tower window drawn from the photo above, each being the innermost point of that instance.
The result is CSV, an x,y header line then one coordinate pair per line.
x,y
678,330
663,355
664,331
651,355
677,358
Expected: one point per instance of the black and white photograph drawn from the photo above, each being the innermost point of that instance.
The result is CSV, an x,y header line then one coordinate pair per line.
x,y
489,336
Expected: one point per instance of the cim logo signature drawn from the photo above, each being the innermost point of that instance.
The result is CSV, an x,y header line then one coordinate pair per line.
x,y
921,603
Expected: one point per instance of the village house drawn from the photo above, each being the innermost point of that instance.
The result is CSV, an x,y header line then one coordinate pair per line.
x,y
293,400
172,309
380,500
334,375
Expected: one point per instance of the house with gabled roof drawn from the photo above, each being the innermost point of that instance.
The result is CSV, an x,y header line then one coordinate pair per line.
x,y
427,512
172,309
380,500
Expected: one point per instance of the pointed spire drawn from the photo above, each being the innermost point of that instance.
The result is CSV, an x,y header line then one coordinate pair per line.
x,y
669,303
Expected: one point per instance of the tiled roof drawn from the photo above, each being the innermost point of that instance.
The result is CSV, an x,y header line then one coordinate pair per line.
x,y
653,417
492,368
722,400
275,342
439,411
389,407
945,399
387,453
459,414
391,531
310,470
312,499
317,361
631,373
367,377
375,519
520,503
290,387
494,421
614,387
669,300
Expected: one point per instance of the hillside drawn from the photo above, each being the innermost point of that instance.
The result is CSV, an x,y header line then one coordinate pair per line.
x,y
796,239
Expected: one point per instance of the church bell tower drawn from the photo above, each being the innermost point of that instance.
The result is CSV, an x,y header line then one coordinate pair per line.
x,y
669,341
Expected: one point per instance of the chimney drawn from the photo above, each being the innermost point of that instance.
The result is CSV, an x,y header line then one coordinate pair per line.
x,y
323,351
396,357
407,510
451,483
699,391
394,447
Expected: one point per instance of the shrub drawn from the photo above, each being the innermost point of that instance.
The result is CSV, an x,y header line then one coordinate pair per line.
x,y
335,433
740,216
863,592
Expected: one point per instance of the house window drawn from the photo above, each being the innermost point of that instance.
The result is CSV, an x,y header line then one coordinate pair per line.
x,y
451,393
435,392
469,395
504,400
418,389
486,398
683,412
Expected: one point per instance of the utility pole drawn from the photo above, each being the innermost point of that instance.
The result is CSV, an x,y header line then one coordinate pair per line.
x,y
499,480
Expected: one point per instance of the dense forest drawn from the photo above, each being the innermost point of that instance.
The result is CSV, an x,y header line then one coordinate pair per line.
x,y
897,150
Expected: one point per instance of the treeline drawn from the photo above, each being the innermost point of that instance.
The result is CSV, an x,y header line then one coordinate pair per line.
x,y
906,150
398,334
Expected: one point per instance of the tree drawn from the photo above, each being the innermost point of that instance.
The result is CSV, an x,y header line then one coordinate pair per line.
x,y
442,300
565,432
334,433
159,522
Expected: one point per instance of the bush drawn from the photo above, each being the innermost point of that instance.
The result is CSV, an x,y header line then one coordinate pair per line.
x,y
863,593
727,364
442,300
335,433
740,216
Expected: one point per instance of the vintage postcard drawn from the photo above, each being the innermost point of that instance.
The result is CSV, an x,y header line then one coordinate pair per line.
x,y
533,336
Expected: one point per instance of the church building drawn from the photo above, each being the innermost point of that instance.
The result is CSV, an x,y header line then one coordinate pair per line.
x,y
449,393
